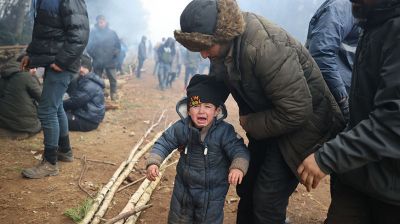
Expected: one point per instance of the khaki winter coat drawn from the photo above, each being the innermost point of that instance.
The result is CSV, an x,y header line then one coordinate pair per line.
x,y
279,87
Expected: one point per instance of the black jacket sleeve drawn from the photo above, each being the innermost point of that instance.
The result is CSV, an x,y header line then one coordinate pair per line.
x,y
377,137
77,99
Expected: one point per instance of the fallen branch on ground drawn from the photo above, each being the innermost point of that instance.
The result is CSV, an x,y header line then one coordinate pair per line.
x,y
106,189
84,168
144,177
102,210
97,161
144,187
127,214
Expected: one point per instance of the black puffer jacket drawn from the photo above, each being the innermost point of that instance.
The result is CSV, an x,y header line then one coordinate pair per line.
x,y
367,157
87,100
60,34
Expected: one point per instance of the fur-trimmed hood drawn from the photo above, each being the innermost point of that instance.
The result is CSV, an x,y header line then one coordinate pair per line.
x,y
230,24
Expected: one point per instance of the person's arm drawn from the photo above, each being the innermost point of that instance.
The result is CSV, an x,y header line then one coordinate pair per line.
x,y
328,31
376,137
280,74
164,145
33,87
77,99
76,25
235,149
117,44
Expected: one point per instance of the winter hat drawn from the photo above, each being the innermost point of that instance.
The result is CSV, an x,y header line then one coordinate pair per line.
x,y
100,17
207,22
86,61
206,89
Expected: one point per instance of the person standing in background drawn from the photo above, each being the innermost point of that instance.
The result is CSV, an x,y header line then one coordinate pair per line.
x,y
104,47
332,40
142,55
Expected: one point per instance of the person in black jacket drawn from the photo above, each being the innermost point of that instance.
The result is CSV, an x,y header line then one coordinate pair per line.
x,y
166,54
142,55
104,47
60,34
366,157
85,106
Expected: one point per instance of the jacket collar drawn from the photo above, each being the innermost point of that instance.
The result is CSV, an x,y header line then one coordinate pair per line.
x,y
381,14
231,60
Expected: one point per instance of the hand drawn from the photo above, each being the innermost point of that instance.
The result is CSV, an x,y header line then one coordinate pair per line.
x,y
55,68
24,63
152,172
243,121
235,177
310,173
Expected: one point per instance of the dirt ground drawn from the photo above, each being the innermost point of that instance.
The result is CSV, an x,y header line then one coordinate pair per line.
x,y
45,200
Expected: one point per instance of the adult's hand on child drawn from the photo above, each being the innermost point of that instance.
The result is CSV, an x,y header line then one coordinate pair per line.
x,y
152,172
235,176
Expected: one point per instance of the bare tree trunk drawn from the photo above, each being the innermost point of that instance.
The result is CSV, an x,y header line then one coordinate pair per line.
x,y
20,13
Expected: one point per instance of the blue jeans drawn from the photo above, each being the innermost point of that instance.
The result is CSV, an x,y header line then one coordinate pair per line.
x,y
51,111
267,186
163,70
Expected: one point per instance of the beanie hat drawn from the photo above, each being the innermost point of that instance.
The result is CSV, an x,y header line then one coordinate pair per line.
x,y
206,89
86,61
100,17
207,22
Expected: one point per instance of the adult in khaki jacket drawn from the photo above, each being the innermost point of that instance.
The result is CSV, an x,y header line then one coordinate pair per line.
x,y
285,106
19,94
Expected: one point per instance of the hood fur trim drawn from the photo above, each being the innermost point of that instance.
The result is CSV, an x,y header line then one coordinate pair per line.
x,y
230,24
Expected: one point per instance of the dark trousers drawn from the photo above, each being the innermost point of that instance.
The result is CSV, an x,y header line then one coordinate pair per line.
x,y
189,73
111,75
267,186
139,68
350,206
76,123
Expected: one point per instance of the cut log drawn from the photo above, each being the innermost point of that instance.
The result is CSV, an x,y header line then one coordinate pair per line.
x,y
100,196
134,200
102,210
103,194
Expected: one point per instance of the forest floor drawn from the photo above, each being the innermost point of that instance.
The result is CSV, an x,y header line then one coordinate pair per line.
x,y
45,200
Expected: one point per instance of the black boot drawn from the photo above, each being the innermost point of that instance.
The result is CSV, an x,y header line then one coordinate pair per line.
x,y
64,150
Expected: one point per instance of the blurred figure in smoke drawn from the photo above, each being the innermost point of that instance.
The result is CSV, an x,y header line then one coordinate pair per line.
x,y
121,57
204,66
156,65
166,54
192,60
142,55
149,49
104,47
